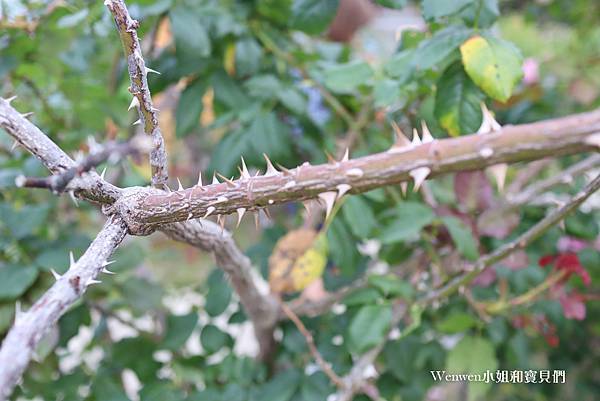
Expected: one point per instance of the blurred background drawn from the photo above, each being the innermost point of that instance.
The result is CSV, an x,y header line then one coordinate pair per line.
x,y
297,80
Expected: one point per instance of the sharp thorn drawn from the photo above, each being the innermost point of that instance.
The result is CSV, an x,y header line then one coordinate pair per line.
x,y
330,158
27,115
346,156
108,263
137,122
73,198
419,174
150,70
179,186
227,180
342,189
106,271
270,169
189,217
425,133
416,141
286,171
244,170
404,187
71,259
134,103
199,179
209,211
55,274
401,139
215,180
10,99
18,311
329,199
267,213
240,212
498,171
92,281
221,222
14,145
103,172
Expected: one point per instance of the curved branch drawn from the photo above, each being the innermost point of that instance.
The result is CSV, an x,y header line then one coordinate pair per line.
x,y
127,28
567,135
260,306
29,327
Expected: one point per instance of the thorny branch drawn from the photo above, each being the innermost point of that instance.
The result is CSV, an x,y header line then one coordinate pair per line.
x,y
111,151
142,98
29,327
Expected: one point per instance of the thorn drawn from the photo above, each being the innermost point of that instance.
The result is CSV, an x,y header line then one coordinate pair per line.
x,y
488,122
73,198
286,171
209,211
419,174
330,159
55,274
215,180
92,281
498,171
289,184
416,141
404,187
221,221
270,169
593,140
27,115
137,122
240,212
256,220
150,70
562,226
20,181
108,263
103,172
106,271
14,145
18,311
342,189
307,206
355,172
427,137
227,180
71,259
401,139
346,156
179,186
329,199
244,171
199,184
267,213
220,199
10,99
134,103
189,217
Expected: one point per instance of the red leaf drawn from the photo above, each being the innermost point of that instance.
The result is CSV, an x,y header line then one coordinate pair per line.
x,y
546,260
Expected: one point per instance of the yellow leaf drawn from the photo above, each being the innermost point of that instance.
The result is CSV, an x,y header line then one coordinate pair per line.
x,y
229,59
299,258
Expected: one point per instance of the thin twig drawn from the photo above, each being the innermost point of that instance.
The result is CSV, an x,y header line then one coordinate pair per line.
x,y
323,364
29,327
111,151
520,242
127,28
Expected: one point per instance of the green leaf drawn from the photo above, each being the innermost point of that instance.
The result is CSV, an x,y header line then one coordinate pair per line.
x,y
213,339
359,216
264,86
399,66
369,327
396,4
276,10
226,155
342,249
15,280
219,294
493,64
189,108
269,135
345,78
391,285
281,387
456,322
436,9
483,15
313,16
401,357
179,328
228,93
410,218
362,296
247,57
462,237
386,92
136,354
473,355
292,99
457,102
191,37
433,51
